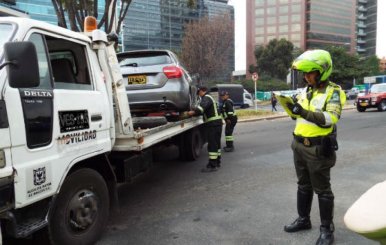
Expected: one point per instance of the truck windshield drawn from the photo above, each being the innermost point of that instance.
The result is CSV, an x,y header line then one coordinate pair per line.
x,y
6,31
378,88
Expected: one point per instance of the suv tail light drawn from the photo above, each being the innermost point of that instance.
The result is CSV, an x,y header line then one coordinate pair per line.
x,y
172,72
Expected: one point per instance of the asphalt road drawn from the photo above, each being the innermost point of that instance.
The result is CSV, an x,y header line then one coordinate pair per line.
x,y
253,195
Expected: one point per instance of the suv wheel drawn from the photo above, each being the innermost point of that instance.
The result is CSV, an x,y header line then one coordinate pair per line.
x,y
360,108
382,106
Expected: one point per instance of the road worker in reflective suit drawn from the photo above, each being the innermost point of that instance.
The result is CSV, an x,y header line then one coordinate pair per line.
x,y
213,127
317,110
230,118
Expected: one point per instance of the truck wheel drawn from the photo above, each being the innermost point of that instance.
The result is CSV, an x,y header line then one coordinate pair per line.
x,y
81,209
382,106
193,144
360,108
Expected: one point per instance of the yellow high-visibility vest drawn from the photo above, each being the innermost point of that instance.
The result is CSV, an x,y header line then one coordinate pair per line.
x,y
329,101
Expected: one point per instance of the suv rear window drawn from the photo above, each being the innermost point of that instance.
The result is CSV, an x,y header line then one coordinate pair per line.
x,y
137,59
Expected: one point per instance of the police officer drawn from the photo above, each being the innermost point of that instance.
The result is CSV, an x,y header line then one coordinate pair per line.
x,y
317,111
230,118
213,127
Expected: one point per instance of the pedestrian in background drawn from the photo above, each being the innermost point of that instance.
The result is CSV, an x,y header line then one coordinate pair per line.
x,y
317,111
273,101
230,117
213,127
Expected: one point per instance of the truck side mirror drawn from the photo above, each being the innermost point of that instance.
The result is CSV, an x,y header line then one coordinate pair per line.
x,y
22,64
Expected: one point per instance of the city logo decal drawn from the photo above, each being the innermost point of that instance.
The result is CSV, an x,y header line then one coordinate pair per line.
x,y
39,176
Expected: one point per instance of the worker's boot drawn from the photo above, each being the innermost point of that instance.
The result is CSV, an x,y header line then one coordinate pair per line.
x,y
303,222
229,147
326,208
210,167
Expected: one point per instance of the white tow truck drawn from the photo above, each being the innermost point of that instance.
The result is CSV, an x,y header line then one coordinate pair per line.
x,y
66,133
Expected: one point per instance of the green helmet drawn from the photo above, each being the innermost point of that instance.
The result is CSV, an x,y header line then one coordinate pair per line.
x,y
314,60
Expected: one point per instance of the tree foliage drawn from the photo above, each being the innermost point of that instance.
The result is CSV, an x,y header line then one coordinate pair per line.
x,y
75,11
206,45
348,66
274,59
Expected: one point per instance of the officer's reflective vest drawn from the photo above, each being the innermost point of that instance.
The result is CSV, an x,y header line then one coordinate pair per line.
x,y
216,114
329,102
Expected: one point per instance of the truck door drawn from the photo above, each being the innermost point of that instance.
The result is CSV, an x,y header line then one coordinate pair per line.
x,y
61,122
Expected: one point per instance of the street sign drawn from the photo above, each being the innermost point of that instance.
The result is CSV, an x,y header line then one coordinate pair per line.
x,y
255,76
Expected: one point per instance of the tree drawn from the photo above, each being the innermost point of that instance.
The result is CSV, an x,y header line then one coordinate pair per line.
x,y
206,46
275,58
77,10
347,66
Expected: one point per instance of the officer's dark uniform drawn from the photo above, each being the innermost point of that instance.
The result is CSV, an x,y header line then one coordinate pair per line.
x,y
213,126
230,118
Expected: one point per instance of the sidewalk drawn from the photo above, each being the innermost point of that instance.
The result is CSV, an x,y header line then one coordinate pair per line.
x,y
280,115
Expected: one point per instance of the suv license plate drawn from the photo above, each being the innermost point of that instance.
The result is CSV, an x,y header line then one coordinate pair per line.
x,y
137,79
363,104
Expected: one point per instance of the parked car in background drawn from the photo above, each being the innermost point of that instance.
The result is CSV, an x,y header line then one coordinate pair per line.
x,y
156,81
240,97
248,100
352,93
376,98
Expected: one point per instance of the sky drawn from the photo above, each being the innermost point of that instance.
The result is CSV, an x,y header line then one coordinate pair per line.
x,y
240,34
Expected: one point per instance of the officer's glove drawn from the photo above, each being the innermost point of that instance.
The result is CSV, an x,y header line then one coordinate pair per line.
x,y
296,108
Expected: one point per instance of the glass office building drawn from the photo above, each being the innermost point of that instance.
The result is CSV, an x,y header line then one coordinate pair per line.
x,y
159,24
41,9
148,24
310,24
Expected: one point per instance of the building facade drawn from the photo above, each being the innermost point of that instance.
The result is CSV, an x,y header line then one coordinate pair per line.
x,y
366,27
311,24
151,24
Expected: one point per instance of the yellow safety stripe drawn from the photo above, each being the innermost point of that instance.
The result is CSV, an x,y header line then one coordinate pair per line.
x,y
213,155
228,138
216,116
219,153
200,108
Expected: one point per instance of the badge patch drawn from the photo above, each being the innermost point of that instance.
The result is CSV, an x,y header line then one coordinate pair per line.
x,y
335,98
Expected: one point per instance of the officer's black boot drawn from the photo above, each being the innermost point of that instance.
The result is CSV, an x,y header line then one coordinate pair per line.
x,y
210,167
326,208
303,222
229,147
218,162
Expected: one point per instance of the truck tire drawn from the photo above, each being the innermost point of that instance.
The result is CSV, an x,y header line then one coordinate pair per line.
x,y
81,209
192,144
382,106
360,108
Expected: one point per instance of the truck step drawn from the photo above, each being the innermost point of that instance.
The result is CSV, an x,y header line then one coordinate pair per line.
x,y
27,228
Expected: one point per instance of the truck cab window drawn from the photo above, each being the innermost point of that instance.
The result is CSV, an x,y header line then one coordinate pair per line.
x,y
69,64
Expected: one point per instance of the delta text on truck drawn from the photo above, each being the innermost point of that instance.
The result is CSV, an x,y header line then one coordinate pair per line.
x,y
66,132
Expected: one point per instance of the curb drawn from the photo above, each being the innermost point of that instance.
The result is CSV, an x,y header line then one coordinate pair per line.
x,y
278,116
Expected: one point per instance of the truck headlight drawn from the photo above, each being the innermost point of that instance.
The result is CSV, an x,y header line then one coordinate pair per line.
x,y
2,159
